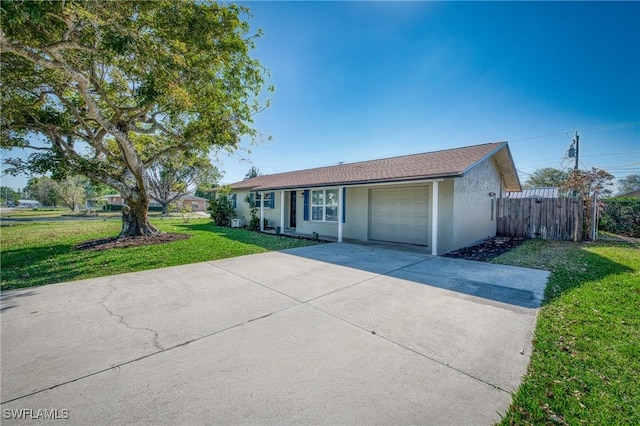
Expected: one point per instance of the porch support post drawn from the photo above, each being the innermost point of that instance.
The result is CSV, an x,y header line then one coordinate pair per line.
x,y
434,219
340,204
282,212
262,212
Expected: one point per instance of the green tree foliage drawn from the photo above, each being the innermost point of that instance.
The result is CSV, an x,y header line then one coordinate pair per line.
x,y
41,189
547,177
72,191
170,179
221,207
9,195
621,216
254,222
104,89
183,208
628,184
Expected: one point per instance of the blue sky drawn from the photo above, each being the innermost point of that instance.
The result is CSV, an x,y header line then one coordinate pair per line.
x,y
363,80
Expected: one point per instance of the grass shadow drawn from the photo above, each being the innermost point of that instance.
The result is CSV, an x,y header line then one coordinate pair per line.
x,y
35,266
7,299
585,362
245,236
571,264
47,254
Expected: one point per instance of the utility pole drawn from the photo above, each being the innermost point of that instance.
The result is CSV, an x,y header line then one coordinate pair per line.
x,y
577,142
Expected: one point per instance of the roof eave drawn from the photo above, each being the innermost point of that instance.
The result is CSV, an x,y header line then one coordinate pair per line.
x,y
506,165
357,182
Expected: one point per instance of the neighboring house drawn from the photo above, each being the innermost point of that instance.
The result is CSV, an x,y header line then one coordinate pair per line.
x,y
198,204
443,199
28,203
632,194
113,200
541,192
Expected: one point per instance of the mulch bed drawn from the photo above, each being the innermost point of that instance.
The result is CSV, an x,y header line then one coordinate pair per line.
x,y
486,250
143,240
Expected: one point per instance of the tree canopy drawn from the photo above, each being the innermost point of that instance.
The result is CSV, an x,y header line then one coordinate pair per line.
x,y
169,180
253,172
547,177
104,89
629,183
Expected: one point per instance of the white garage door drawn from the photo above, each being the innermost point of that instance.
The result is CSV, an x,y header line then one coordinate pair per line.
x,y
400,215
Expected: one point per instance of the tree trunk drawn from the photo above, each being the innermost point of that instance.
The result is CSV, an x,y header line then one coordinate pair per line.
x,y
135,221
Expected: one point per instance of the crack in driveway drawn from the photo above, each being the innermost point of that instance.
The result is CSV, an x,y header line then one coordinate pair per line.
x,y
131,361
122,321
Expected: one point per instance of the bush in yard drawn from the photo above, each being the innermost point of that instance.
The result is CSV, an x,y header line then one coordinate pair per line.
x,y
621,216
254,223
183,208
221,208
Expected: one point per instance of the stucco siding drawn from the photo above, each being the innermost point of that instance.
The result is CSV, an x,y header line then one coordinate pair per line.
x,y
472,215
464,209
242,209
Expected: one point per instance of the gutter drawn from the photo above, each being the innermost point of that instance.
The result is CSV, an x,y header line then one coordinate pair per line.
x,y
411,179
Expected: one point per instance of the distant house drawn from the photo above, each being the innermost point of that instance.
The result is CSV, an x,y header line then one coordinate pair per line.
x,y
28,203
198,204
113,199
443,199
541,192
632,194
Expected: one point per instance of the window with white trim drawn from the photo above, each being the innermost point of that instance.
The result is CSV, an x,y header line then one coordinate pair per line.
x,y
267,199
324,205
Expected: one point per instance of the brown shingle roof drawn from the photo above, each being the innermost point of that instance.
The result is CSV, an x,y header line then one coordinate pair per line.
x,y
430,165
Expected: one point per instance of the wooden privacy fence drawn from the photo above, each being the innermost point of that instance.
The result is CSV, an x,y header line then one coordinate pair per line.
x,y
546,218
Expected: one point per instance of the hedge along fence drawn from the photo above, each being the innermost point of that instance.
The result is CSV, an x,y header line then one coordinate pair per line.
x,y
621,216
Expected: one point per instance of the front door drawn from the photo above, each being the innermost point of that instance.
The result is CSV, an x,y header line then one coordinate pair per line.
x,y
292,210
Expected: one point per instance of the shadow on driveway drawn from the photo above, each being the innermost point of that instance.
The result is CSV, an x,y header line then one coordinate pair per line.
x,y
522,287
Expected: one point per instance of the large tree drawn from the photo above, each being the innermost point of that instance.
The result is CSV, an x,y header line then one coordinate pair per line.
x,y
547,177
628,184
592,185
8,195
169,179
104,89
42,190
72,191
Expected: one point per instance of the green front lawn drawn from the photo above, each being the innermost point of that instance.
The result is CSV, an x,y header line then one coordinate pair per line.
x,y
41,253
34,213
585,366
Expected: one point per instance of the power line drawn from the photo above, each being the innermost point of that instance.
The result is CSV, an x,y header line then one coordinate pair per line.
x,y
608,126
524,173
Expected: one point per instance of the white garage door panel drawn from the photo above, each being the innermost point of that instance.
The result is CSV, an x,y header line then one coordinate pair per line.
x,y
400,215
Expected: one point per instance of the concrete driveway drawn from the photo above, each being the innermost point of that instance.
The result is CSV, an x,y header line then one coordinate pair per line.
x,y
329,334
